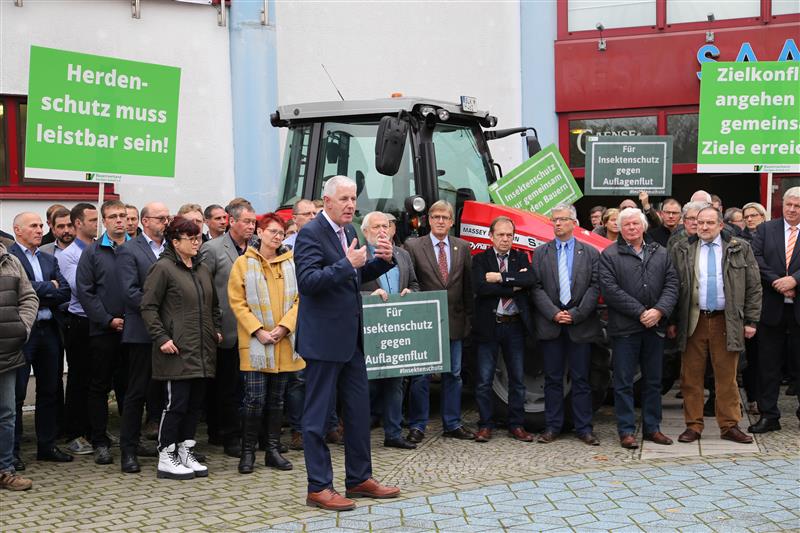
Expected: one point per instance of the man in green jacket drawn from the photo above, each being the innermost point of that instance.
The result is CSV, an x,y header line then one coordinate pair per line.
x,y
719,305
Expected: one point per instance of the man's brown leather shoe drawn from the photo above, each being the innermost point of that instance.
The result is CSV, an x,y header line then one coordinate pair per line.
x,y
459,433
520,434
547,437
297,441
628,442
736,435
658,438
372,489
483,435
330,500
589,438
689,435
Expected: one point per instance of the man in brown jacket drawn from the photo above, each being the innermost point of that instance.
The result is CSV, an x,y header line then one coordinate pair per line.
x,y
719,280
442,262
18,308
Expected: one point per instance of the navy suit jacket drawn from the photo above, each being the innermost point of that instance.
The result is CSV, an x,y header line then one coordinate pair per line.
x,y
49,296
329,320
134,259
769,247
487,295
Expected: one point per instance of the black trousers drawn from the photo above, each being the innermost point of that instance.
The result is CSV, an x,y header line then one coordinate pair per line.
x,y
139,370
106,354
185,399
76,417
224,398
772,341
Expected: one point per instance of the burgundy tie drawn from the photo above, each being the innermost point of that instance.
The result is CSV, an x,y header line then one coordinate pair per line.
x,y
505,302
442,262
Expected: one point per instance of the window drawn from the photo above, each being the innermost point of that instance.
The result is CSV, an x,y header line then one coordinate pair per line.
x,y
699,10
349,150
683,128
295,164
459,163
622,126
3,151
785,7
586,14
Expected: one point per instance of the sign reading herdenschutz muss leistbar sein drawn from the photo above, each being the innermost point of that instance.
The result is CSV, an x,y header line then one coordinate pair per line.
x,y
406,335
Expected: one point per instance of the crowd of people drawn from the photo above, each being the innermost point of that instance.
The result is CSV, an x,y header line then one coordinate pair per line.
x,y
251,322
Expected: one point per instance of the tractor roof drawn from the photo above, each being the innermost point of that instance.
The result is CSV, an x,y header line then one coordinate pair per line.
x,y
381,106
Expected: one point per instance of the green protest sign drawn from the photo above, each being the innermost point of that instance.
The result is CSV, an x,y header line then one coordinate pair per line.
x,y
749,117
538,184
99,118
626,166
406,335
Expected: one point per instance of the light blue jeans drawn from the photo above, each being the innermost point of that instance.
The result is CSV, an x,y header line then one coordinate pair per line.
x,y
8,414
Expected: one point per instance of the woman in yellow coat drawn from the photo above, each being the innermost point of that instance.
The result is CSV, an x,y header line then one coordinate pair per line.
x,y
262,292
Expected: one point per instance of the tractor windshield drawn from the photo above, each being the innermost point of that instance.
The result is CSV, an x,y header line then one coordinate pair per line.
x,y
459,163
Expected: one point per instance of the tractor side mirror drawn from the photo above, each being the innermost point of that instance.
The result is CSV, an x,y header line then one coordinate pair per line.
x,y
533,145
390,143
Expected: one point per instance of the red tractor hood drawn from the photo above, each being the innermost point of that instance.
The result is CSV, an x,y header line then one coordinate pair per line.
x,y
532,229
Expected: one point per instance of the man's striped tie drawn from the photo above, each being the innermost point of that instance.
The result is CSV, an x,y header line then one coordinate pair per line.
x,y
790,246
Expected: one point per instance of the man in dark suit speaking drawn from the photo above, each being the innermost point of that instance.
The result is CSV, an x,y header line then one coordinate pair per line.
x,y
330,270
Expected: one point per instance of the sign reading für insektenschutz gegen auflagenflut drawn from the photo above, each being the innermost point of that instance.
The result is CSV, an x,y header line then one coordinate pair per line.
x,y
92,115
406,335
749,117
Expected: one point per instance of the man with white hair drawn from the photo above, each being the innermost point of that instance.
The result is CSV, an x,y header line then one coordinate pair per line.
x,y
640,287
777,251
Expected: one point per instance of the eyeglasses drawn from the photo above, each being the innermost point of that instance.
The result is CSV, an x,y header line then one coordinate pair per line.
x,y
193,240
754,215
673,213
690,219
439,217
560,219
160,219
276,232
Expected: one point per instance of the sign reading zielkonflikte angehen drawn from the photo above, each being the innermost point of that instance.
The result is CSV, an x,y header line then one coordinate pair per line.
x,y
92,116
749,117
624,166
406,335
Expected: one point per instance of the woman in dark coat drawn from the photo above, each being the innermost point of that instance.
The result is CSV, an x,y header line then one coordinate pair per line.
x,y
180,309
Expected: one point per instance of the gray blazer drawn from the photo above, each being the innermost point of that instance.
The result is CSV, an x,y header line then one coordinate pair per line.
x,y
219,255
459,279
134,259
585,290
408,278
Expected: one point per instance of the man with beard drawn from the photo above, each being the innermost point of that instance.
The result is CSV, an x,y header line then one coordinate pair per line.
x,y
63,231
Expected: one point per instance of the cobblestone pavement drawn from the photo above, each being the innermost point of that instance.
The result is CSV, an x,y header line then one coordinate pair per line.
x,y
447,485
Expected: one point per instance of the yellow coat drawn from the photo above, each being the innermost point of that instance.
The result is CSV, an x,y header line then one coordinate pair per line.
x,y
248,324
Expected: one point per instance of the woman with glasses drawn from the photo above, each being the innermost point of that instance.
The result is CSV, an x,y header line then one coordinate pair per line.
x,y
753,215
179,307
262,292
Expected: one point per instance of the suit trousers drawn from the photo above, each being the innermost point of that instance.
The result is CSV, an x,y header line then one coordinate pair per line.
x,y
710,337
224,398
42,352
140,357
511,338
79,362
577,357
323,380
772,342
106,356
419,395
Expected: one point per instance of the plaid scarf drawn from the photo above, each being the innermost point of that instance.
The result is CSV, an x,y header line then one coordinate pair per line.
x,y
262,356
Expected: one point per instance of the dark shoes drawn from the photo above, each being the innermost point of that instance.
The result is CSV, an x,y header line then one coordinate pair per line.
x,y
18,464
233,449
709,408
372,489
764,425
102,455
547,437
415,435
399,442
589,438
459,433
129,464
297,441
483,435
689,435
735,434
330,500
628,442
334,437
54,455
520,434
146,450
658,438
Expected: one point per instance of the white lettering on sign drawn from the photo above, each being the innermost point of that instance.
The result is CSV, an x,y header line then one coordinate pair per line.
x,y
111,78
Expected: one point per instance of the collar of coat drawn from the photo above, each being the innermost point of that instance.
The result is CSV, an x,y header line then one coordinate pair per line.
x,y
647,243
727,237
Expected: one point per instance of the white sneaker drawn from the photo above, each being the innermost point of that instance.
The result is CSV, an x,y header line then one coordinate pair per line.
x,y
186,453
170,465
79,446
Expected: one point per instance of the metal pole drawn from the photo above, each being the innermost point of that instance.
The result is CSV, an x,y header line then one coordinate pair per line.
x,y
100,191
769,196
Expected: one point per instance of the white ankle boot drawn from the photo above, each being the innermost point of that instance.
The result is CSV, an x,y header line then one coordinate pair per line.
x,y
186,453
170,465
